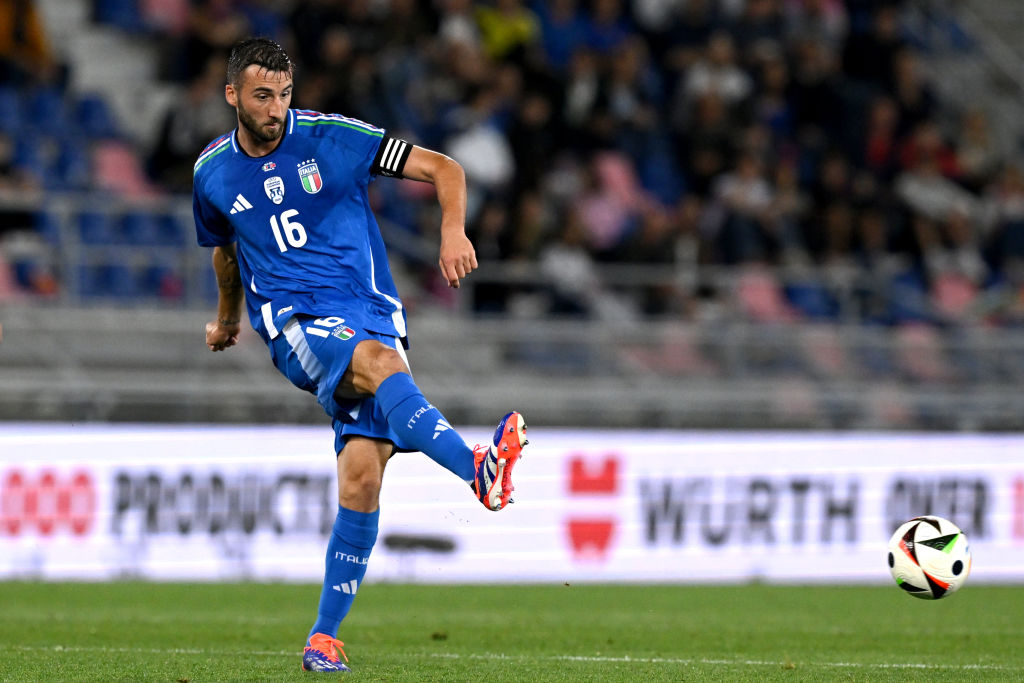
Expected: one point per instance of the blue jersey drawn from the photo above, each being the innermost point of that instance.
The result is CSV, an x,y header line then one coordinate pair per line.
x,y
307,239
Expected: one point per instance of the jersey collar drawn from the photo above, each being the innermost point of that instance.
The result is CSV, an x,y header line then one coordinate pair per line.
x,y
238,150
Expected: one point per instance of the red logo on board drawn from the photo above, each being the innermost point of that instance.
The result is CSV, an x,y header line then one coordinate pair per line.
x,y
592,536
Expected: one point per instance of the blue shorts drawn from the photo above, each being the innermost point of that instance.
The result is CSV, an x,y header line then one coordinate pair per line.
x,y
313,353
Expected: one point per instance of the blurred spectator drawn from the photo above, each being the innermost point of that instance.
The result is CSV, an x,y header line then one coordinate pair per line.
x,y
877,148
309,22
913,95
924,189
953,263
878,266
25,54
562,31
575,287
655,243
14,179
690,33
817,103
771,104
609,204
707,144
480,145
491,233
582,104
655,20
457,24
1004,214
744,197
976,151
606,26
824,21
192,121
926,141
868,55
633,94
759,29
213,27
715,73
532,135
508,29
15,184
788,211
796,133
570,270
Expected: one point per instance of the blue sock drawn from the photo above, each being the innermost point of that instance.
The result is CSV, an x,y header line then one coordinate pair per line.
x,y
422,426
348,551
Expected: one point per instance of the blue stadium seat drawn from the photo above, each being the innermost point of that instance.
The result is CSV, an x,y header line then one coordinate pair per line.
x,y
208,285
812,299
123,14
72,165
47,224
94,117
169,231
96,228
161,279
46,110
140,228
28,153
92,281
10,110
122,280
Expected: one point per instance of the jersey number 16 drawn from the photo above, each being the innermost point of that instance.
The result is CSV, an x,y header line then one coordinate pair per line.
x,y
290,230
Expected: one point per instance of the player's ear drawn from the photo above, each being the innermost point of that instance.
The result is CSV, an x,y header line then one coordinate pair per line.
x,y
230,95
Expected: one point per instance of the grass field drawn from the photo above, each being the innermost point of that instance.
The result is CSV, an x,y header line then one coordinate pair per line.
x,y
213,632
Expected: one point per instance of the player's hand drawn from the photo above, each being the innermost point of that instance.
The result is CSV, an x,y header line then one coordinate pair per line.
x,y
220,336
458,259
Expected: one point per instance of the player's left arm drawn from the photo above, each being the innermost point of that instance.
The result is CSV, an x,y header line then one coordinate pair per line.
x,y
458,258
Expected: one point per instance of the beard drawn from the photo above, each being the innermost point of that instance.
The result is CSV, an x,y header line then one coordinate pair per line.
x,y
258,131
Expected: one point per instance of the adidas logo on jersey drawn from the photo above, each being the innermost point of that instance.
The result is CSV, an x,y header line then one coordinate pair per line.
x,y
240,205
349,588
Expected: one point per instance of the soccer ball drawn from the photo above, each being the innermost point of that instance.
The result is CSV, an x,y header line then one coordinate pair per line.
x,y
929,557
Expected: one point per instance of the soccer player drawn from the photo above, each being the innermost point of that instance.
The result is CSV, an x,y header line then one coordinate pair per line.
x,y
282,200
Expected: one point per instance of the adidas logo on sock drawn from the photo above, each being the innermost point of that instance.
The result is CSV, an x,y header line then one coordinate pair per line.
x,y
441,426
349,588
240,205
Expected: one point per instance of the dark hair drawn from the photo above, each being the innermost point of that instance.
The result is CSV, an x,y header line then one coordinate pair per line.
x,y
263,52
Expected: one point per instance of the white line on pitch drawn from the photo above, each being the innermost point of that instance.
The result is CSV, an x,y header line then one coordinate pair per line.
x,y
731,662
553,658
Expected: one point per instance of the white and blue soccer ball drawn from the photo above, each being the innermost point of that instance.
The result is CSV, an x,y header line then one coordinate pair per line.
x,y
929,557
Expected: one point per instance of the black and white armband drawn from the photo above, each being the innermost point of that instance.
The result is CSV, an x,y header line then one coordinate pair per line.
x,y
391,157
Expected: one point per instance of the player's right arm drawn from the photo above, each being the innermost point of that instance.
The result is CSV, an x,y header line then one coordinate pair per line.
x,y
214,230
223,332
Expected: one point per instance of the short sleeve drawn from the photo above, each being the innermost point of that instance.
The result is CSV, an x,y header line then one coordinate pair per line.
x,y
212,228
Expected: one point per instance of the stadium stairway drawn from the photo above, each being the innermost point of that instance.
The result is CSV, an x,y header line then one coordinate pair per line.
x,y
974,57
121,68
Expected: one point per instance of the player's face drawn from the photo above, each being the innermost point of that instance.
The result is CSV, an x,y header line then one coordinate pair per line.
x,y
262,99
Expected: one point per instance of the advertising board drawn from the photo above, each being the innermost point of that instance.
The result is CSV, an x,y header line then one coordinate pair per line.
x,y
227,503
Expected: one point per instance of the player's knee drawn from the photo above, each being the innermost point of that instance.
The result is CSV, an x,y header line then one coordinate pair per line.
x,y
360,490
373,363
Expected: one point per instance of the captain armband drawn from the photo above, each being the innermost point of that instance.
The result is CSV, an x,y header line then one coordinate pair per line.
x,y
391,157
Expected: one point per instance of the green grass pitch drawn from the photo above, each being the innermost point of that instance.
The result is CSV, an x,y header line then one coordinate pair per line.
x,y
250,631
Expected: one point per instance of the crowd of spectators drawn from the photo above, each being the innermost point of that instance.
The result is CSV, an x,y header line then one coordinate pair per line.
x,y
793,145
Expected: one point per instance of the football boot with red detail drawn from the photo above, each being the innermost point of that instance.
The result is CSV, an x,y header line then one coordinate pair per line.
x,y
494,462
